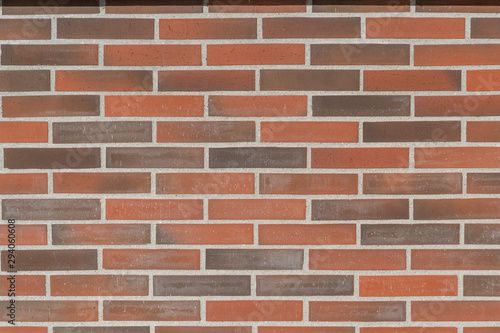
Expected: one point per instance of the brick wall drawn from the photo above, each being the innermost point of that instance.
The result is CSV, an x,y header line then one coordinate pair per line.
x,y
245,166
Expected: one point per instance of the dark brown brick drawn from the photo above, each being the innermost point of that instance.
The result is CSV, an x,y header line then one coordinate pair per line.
x,y
409,234
50,55
451,209
360,209
52,260
25,80
151,310
357,311
483,183
201,285
412,183
257,6
199,329
206,131
44,311
102,132
360,54
51,209
153,6
52,158
206,80
258,157
360,6
482,234
361,106
413,131
105,28
485,27
95,329
306,183
157,157
50,106
309,80
100,234
309,27
458,6
253,259
20,29
36,7
482,285
209,28
305,285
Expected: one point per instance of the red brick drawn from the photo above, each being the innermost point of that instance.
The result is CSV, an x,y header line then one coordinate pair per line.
x,y
99,285
20,29
451,209
357,259
152,55
413,27
481,330
151,310
307,183
309,27
106,80
257,106
310,131
363,158
457,55
24,329
23,183
303,234
205,183
254,310
453,106
24,285
410,80
32,234
457,157
105,28
408,330
100,234
206,131
483,131
101,182
206,80
483,80
256,54
223,28
204,234
257,209
154,209
148,259
409,285
154,106
302,329
456,311
357,311
451,259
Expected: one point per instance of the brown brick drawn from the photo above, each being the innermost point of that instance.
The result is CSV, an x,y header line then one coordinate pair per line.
x,y
410,234
457,6
256,209
257,106
359,158
216,28
304,234
206,131
258,157
359,6
153,7
357,311
154,157
484,183
102,132
482,234
201,285
20,29
257,6
254,259
456,209
205,183
105,28
46,311
50,106
357,259
482,285
148,259
360,209
100,234
102,182
307,183
305,285
411,131
50,55
361,106
255,54
35,7
264,310
152,55
412,80
309,27
99,285
485,27
206,80
154,209
51,209
455,259
412,183
52,260
309,80
104,80
360,54
36,80
204,233
23,183
52,158
453,106
151,310
154,106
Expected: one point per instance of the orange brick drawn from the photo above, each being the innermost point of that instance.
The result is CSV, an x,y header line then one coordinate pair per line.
x,y
23,183
409,285
152,55
483,80
254,310
24,285
409,80
407,27
154,106
359,158
147,259
357,259
32,234
205,183
153,209
256,54
257,209
18,132
311,131
303,234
